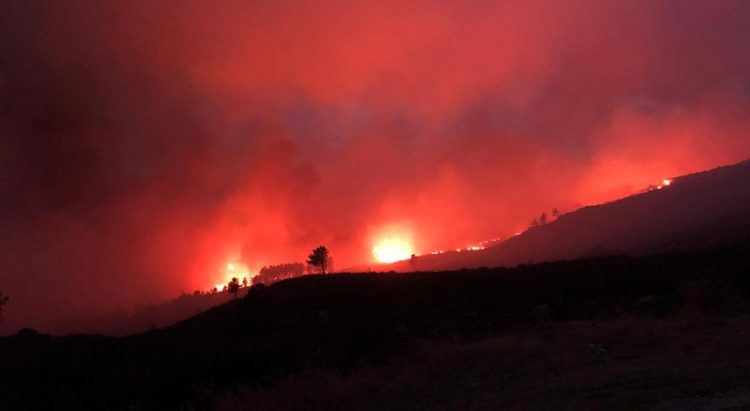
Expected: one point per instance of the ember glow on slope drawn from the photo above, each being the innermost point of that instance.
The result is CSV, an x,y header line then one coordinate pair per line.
x,y
397,246
390,250
234,270
157,141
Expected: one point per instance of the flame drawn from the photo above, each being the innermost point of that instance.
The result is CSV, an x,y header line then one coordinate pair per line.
x,y
233,270
664,183
390,250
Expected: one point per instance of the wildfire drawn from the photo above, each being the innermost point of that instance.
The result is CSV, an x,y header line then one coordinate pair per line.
x,y
390,250
664,183
476,247
233,270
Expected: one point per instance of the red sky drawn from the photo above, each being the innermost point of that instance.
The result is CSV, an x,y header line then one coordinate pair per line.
x,y
144,146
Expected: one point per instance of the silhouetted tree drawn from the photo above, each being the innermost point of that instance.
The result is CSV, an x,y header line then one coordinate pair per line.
x,y
319,258
534,223
233,286
555,212
244,282
543,218
413,261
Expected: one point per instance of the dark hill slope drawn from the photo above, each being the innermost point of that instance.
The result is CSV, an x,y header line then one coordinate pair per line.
x,y
141,319
346,321
697,211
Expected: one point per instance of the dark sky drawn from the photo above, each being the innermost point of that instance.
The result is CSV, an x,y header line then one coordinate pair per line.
x,y
143,145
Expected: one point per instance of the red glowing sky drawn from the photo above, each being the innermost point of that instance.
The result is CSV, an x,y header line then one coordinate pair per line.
x,y
143,146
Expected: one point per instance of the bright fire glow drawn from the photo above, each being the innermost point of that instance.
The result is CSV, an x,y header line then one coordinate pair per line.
x,y
664,183
233,270
391,250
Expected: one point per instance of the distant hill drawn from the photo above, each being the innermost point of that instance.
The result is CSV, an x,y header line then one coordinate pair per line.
x,y
697,211
142,319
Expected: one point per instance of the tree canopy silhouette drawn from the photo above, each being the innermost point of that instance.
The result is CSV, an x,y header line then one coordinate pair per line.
x,y
319,258
543,218
233,286
273,273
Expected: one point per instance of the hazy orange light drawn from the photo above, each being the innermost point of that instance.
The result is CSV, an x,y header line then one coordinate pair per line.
x,y
664,183
233,270
392,249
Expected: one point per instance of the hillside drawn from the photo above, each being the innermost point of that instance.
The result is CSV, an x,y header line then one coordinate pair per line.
x,y
701,210
673,262
143,318
283,341
696,211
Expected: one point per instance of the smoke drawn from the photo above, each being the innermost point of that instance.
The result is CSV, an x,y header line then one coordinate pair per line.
x,y
143,146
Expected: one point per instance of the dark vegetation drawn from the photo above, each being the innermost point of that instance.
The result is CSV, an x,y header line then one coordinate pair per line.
x,y
344,322
233,287
319,259
544,218
273,273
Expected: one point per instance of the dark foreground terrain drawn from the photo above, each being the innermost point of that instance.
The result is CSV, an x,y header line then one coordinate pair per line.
x,y
666,332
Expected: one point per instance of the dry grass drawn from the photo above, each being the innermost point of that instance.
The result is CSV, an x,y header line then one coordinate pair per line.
x,y
630,363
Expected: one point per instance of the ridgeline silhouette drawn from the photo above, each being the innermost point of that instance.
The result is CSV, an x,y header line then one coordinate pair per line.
x,y
362,336
696,211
